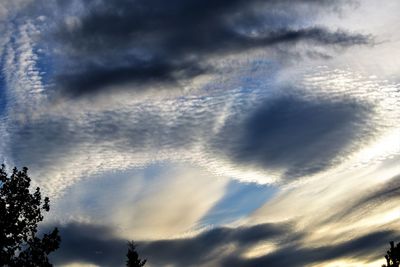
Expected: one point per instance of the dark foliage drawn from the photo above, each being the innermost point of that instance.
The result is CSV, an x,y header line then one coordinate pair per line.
x,y
20,213
393,255
133,256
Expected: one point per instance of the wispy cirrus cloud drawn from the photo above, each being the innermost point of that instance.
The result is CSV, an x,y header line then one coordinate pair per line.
x,y
144,44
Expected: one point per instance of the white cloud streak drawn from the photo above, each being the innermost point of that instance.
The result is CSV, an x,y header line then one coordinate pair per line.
x,y
144,207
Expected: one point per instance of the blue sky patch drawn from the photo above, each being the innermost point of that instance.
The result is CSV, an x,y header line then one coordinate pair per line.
x,y
240,200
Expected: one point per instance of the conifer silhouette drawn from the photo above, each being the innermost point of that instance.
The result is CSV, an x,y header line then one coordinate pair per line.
x,y
133,256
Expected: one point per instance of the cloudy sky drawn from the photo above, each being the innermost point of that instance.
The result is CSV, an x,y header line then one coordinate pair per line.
x,y
213,133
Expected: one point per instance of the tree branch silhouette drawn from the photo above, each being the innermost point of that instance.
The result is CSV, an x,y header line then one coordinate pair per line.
x,y
393,256
20,213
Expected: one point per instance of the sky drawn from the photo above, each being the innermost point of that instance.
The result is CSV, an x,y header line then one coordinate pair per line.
x,y
213,133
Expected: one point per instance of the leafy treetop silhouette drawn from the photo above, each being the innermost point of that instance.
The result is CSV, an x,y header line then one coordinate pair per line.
x,y
133,256
20,213
393,255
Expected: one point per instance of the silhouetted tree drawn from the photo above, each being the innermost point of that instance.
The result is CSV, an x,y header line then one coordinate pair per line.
x,y
20,213
133,256
393,255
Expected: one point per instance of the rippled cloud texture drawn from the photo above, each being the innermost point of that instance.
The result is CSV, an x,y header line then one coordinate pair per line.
x,y
213,133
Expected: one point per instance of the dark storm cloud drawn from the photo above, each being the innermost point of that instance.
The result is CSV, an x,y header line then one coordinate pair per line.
x,y
298,135
96,244
85,243
367,248
211,244
141,42
97,77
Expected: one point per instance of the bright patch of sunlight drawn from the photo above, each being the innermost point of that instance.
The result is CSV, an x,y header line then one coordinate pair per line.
x,y
349,263
260,250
